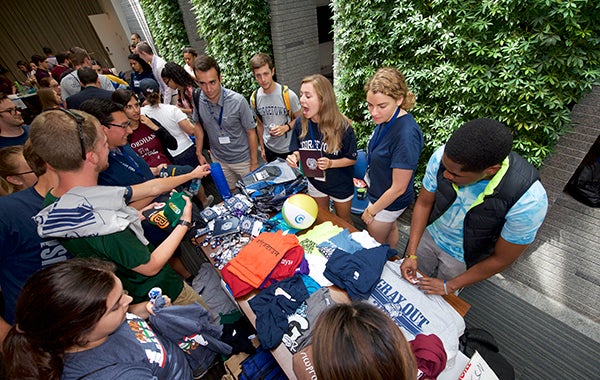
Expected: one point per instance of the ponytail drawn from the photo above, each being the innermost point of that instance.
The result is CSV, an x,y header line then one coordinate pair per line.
x,y
27,360
153,98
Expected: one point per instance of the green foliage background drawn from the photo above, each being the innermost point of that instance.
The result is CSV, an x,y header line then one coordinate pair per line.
x,y
166,25
521,62
234,31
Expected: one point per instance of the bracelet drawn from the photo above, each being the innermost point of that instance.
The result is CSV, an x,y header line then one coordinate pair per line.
x,y
414,257
445,289
289,127
184,223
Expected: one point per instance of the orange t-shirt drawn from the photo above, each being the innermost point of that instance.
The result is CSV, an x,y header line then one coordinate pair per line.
x,y
257,259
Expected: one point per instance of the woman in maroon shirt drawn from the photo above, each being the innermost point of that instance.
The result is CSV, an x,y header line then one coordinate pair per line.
x,y
149,140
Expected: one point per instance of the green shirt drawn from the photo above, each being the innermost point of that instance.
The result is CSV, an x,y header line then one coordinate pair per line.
x,y
126,252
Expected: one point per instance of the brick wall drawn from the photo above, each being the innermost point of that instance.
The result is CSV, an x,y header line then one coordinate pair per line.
x,y
563,262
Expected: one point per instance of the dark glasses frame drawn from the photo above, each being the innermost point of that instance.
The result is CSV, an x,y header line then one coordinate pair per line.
x,y
79,120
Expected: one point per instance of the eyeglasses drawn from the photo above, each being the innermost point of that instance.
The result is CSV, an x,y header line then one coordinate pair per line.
x,y
22,173
79,120
167,81
12,111
124,125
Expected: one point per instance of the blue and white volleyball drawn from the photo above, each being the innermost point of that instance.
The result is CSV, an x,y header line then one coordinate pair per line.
x,y
300,211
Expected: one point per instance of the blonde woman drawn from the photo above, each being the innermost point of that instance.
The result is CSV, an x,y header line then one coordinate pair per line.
x,y
393,153
323,129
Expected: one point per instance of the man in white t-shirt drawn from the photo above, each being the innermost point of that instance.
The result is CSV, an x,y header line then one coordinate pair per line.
x,y
157,63
70,84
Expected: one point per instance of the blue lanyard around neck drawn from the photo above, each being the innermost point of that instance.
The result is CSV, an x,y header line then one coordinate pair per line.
x,y
212,113
382,130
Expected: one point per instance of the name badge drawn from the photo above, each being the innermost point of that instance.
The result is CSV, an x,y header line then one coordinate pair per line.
x,y
224,140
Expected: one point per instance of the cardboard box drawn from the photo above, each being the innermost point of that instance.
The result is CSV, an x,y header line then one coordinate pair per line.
x,y
233,365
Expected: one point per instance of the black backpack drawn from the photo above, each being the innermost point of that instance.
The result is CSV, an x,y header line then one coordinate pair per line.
x,y
482,341
585,184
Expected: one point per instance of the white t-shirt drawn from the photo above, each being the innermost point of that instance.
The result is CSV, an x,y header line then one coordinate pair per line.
x,y
169,117
416,312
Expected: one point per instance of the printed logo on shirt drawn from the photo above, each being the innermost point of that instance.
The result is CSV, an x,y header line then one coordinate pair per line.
x,y
404,313
155,352
52,252
298,324
263,244
190,343
272,110
316,145
142,141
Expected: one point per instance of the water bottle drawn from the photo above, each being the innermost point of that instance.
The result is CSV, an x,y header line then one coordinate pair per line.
x,y
194,186
164,172
219,177
154,293
20,89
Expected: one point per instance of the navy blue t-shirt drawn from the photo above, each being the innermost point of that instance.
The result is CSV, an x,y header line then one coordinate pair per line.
x,y
399,148
125,168
12,141
133,351
338,181
22,251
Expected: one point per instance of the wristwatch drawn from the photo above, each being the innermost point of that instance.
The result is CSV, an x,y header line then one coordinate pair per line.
x,y
184,223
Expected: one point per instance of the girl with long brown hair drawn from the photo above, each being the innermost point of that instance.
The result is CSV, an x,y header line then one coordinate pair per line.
x,y
71,322
324,129
358,341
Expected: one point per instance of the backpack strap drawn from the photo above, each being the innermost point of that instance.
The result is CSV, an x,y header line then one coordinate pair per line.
x,y
285,93
253,104
196,96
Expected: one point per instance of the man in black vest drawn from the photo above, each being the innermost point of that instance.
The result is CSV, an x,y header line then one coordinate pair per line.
x,y
480,207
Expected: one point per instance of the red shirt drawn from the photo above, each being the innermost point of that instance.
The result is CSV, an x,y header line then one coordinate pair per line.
x,y
144,142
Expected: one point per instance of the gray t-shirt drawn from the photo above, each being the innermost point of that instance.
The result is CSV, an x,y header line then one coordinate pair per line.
x,y
226,124
271,108
70,85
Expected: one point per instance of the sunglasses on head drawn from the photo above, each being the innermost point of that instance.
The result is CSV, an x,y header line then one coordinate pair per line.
x,y
79,120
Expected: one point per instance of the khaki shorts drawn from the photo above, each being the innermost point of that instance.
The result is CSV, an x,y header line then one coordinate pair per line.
x,y
233,172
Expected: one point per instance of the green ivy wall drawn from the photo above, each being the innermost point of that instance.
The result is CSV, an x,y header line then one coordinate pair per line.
x,y
234,31
166,25
521,62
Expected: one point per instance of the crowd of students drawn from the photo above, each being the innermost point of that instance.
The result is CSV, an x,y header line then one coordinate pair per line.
x,y
108,137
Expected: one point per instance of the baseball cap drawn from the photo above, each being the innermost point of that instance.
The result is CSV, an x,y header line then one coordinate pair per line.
x,y
174,208
148,86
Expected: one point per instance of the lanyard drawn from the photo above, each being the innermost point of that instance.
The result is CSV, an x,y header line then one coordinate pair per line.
x,y
382,130
131,165
212,112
